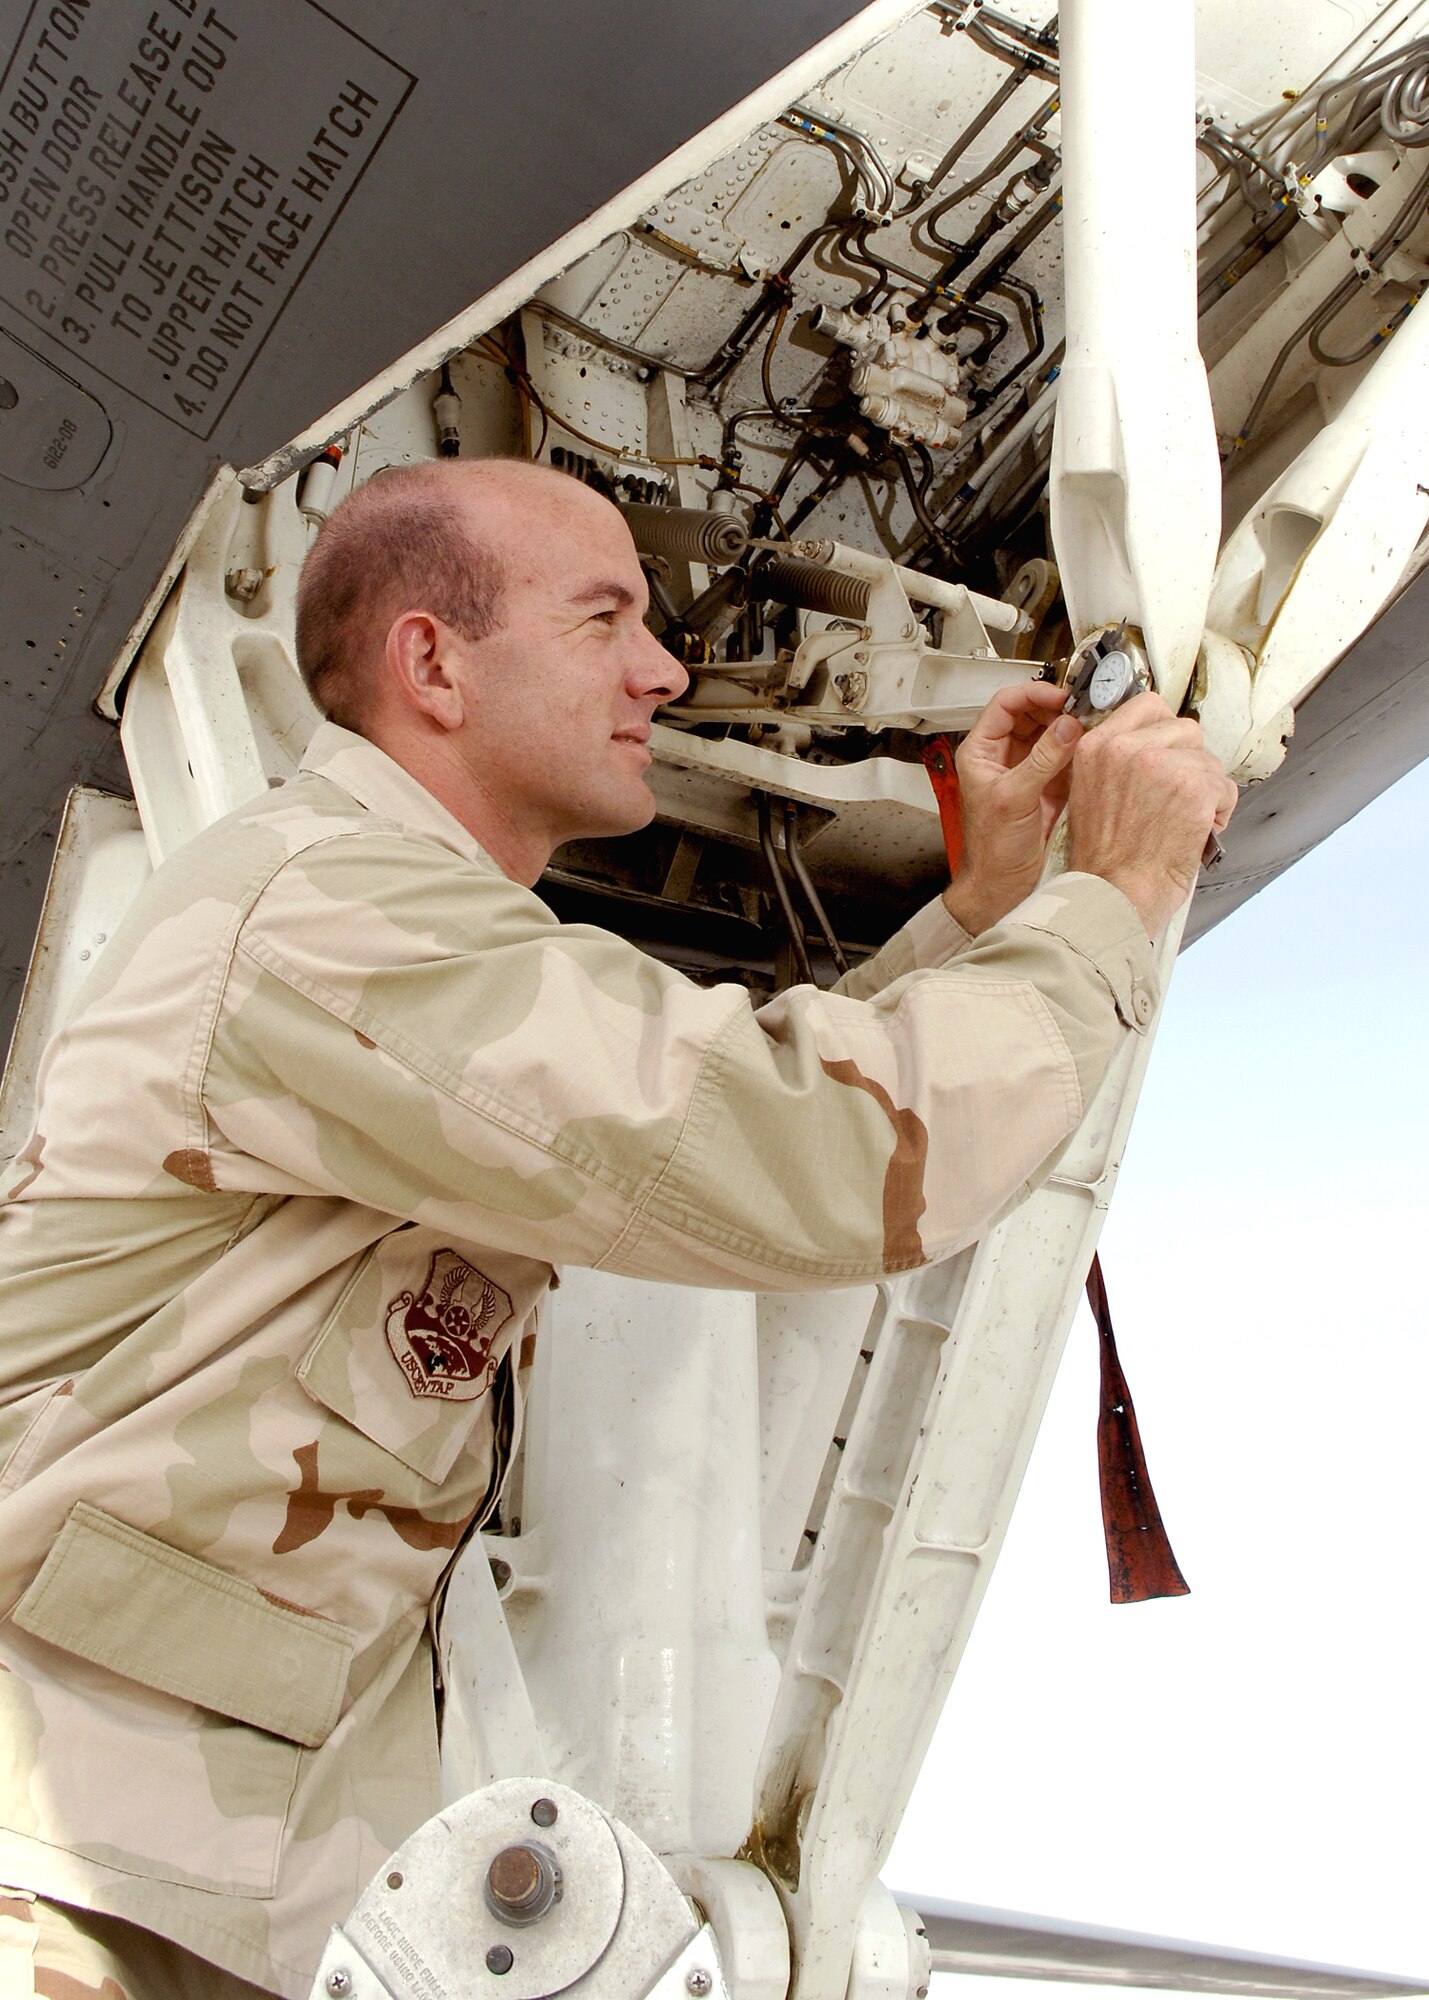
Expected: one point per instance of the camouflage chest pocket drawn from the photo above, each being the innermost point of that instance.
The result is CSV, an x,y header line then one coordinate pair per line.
x,y
410,1352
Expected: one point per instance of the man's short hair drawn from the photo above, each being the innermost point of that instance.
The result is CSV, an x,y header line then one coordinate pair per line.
x,y
398,543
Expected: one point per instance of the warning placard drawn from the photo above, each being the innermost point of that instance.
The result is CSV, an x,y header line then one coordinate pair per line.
x,y
163,186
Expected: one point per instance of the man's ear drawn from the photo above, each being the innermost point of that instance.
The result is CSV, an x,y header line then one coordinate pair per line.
x,y
418,657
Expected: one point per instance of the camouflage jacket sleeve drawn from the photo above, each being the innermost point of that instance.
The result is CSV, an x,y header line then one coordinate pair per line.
x,y
420,1035
933,937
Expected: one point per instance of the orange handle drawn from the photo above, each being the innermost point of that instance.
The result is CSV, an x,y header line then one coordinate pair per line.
x,y
942,773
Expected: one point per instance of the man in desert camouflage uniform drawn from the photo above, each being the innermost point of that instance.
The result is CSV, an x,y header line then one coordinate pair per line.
x,y
339,1095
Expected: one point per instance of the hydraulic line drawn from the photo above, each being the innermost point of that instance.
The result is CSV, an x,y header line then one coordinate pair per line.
x,y
1410,212
1389,89
1040,41
869,170
1233,158
687,533
1023,44
1008,518
788,469
853,235
917,500
545,310
797,941
814,498
853,245
1005,91
731,351
963,312
996,269
977,485
1028,139
1363,352
1285,120
1030,312
1027,304
766,378
1318,118
1325,310
993,223
661,598
1233,265
806,882
1404,109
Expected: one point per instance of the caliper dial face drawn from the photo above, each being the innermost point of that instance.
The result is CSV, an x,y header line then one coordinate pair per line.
x,y
1112,680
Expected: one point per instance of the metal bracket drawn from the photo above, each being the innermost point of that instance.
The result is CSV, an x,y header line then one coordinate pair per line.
x,y
617,1925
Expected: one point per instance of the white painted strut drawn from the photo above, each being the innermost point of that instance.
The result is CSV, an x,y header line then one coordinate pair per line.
x,y
963,1357
1135,480
636,1603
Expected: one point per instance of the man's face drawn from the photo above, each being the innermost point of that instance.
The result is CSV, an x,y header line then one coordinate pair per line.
x,y
559,698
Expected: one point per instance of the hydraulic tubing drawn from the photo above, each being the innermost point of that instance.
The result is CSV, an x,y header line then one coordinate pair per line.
x,y
806,882
797,942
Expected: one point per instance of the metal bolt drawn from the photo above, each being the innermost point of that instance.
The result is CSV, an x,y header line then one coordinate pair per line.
x,y
500,1958
338,1983
698,1982
544,1812
394,1880
522,1883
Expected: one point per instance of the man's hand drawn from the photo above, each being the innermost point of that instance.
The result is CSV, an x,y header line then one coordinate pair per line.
x,y
1014,769
1145,793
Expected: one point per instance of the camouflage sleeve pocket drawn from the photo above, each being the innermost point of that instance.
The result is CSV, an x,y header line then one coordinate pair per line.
x,y
410,1351
151,1613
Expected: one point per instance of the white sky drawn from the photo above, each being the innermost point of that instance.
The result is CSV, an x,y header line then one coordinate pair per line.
x,y
1248,1765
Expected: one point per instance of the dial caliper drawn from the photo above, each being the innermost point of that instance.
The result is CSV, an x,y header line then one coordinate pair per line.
x,y
1109,668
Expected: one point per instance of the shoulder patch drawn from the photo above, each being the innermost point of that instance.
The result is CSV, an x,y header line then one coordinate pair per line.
x,y
442,1337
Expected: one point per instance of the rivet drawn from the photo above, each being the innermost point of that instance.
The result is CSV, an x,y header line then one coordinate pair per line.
x,y
500,1958
544,1812
394,1880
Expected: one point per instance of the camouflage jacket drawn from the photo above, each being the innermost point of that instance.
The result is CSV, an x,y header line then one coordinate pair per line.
x,y
333,1102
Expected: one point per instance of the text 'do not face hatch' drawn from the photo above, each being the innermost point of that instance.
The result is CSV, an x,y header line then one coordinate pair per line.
x,y
161,197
